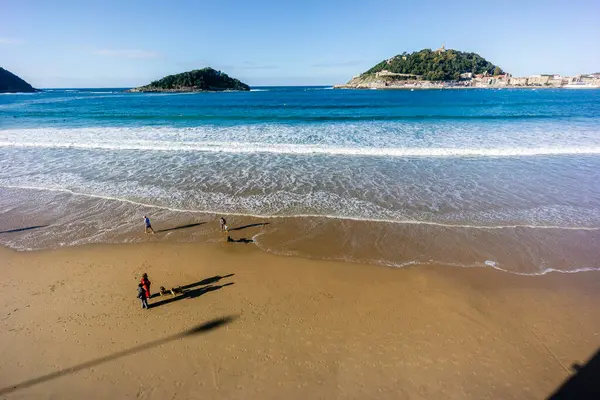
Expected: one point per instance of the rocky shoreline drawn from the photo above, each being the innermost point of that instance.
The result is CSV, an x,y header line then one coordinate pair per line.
x,y
178,90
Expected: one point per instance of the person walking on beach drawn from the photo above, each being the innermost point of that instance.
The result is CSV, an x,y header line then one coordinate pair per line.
x,y
142,296
148,226
145,282
223,224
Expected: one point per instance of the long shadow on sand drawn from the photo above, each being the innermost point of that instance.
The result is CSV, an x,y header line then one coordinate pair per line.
x,y
583,384
181,227
202,328
189,294
24,229
207,281
239,228
185,288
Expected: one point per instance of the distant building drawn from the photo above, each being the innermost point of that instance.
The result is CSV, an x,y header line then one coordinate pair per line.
x,y
517,81
556,81
385,73
466,75
441,49
590,79
538,80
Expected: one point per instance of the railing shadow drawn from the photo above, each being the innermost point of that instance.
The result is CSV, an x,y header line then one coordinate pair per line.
x,y
202,328
583,384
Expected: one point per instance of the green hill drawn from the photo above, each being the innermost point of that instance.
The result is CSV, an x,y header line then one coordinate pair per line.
x,y
198,80
438,65
10,83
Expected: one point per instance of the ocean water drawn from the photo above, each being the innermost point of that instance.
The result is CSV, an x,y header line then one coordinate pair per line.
x,y
493,165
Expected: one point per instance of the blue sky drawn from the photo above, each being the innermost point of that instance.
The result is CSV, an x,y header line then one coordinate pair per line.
x,y
108,43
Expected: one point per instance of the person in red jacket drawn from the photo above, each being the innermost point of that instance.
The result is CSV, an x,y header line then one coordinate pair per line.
x,y
146,284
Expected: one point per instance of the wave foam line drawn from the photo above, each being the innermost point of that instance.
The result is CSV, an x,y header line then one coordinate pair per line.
x,y
410,263
549,270
301,149
495,266
401,222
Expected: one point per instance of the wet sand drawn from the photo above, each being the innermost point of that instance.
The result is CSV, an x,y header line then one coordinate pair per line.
x,y
60,219
293,328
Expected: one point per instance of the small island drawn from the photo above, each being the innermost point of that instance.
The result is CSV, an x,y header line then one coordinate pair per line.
x,y
198,80
11,83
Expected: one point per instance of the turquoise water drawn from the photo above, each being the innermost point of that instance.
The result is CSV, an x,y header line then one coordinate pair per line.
x,y
466,158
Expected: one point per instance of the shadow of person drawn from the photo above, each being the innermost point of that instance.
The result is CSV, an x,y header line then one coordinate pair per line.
x,y
189,294
239,228
192,294
181,227
207,281
242,240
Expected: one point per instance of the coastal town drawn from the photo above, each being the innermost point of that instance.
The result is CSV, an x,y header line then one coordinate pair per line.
x,y
389,80
383,76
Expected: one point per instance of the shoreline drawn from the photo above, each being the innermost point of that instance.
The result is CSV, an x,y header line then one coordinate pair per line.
x,y
80,220
293,327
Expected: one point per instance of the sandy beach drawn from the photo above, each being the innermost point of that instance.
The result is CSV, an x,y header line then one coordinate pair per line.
x,y
433,233
284,327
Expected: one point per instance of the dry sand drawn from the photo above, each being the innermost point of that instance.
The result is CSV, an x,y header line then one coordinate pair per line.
x,y
300,328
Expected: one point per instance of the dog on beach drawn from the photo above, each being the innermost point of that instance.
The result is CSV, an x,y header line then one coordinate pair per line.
x,y
173,291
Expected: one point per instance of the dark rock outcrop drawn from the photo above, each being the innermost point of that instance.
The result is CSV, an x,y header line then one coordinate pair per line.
x,y
10,83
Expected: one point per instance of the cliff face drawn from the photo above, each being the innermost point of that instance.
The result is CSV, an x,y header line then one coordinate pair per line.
x,y
199,80
10,83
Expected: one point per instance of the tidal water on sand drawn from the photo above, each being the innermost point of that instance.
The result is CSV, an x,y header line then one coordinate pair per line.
x,y
499,178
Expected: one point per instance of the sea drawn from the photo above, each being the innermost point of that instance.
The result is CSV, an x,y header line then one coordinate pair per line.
x,y
506,179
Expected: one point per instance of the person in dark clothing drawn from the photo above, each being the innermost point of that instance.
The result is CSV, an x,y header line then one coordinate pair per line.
x,y
223,224
142,296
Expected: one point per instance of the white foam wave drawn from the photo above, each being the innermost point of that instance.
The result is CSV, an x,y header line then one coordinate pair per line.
x,y
348,139
19,94
412,222
243,147
549,270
